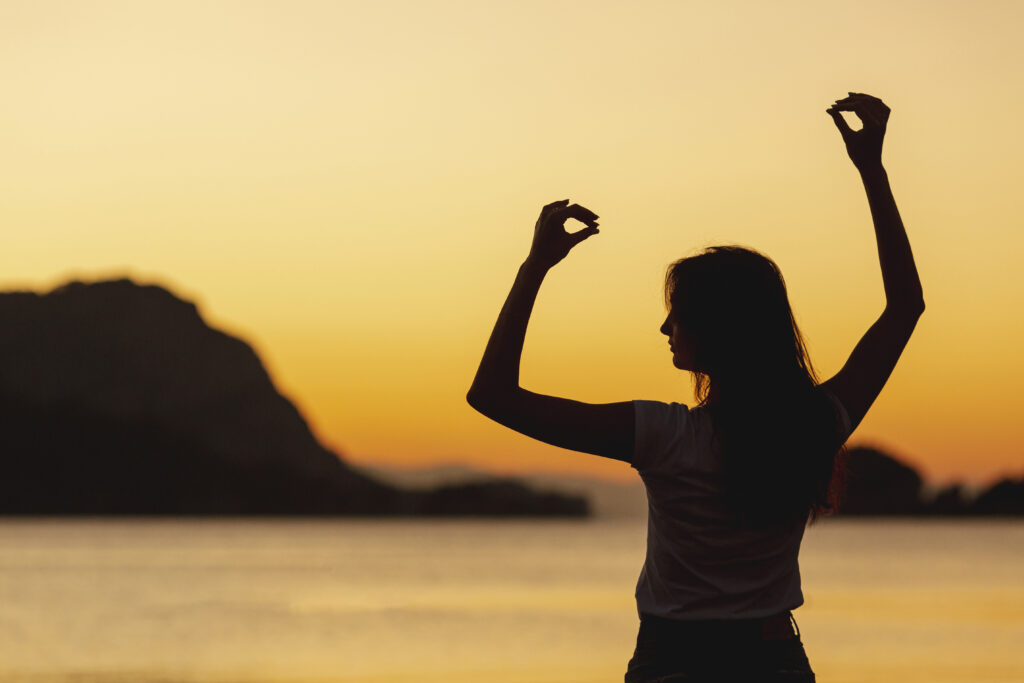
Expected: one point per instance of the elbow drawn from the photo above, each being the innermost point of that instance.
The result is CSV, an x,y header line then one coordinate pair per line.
x,y
910,309
474,398
480,399
917,307
486,400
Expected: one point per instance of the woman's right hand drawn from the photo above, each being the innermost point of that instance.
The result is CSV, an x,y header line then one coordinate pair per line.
x,y
865,145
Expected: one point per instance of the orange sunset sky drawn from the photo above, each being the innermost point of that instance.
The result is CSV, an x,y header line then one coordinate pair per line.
x,y
351,187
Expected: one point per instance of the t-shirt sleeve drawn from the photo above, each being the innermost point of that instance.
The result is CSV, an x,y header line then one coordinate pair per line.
x,y
660,429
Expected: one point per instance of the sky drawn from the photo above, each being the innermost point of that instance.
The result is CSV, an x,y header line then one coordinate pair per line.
x,y
351,187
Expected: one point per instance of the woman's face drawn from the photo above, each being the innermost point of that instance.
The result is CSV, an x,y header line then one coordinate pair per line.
x,y
679,344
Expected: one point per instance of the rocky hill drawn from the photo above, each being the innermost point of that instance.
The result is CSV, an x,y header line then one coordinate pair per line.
x,y
117,398
879,484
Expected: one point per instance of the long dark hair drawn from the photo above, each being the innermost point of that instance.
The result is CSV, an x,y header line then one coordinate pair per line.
x,y
778,432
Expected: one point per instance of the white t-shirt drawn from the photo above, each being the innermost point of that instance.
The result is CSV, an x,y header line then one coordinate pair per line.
x,y
700,564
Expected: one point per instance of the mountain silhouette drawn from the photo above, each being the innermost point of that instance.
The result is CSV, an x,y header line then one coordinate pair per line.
x,y
879,484
1005,497
117,398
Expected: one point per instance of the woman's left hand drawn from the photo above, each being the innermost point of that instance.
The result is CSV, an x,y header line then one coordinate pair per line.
x,y
551,242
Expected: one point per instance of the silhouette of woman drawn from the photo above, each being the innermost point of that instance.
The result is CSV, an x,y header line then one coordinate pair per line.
x,y
731,482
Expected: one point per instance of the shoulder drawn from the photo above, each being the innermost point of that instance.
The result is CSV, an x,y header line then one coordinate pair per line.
x,y
659,410
657,417
664,432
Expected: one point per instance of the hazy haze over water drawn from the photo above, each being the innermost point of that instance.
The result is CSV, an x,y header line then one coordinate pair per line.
x,y
296,600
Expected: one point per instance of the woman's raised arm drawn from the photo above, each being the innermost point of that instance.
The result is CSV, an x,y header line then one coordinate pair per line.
x,y
873,359
601,429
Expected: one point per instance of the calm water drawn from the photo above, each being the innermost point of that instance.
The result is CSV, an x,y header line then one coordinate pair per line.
x,y
275,601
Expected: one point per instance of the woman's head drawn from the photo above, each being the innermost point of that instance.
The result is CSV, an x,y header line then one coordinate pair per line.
x,y
730,322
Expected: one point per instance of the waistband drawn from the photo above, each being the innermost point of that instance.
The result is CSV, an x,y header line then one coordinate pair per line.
x,y
780,626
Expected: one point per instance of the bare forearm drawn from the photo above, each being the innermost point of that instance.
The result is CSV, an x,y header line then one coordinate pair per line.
x,y
899,274
499,368
497,378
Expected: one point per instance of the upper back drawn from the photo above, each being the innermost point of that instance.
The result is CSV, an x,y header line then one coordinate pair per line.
x,y
703,561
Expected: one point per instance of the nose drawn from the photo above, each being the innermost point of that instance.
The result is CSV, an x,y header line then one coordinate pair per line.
x,y
666,328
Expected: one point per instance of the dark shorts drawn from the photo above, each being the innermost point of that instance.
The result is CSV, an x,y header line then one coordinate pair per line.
x,y
748,651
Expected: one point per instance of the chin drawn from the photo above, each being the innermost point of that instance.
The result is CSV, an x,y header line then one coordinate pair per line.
x,y
682,362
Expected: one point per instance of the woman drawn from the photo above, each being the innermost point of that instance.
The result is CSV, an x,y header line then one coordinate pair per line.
x,y
731,482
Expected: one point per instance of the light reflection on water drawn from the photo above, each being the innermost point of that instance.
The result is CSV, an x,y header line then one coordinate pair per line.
x,y
269,601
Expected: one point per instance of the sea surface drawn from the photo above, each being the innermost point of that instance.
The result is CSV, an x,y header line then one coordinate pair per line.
x,y
274,601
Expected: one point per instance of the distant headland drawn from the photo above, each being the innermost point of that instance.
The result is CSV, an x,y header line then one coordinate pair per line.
x,y
879,484
117,398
